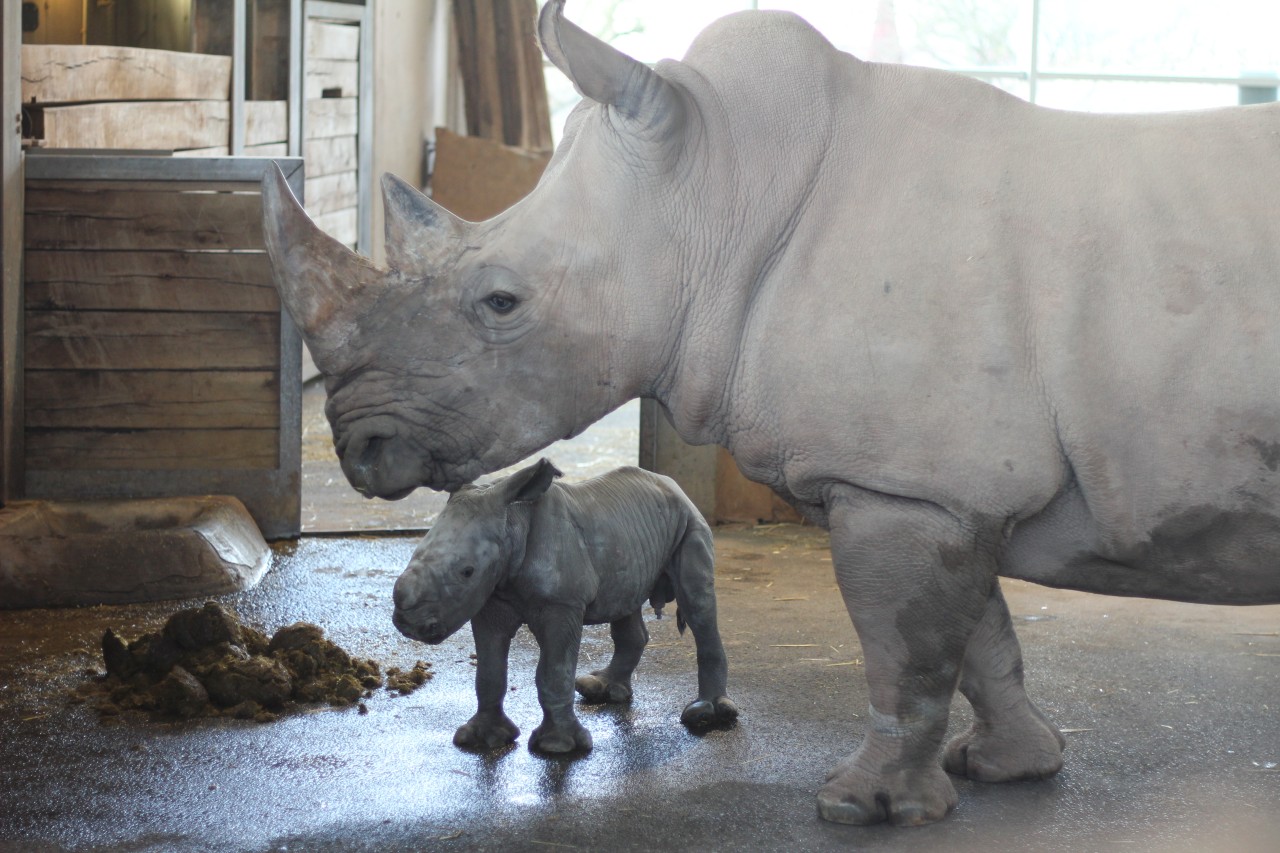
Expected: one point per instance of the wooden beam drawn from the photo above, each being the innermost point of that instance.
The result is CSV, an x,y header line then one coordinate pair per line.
x,y
149,340
151,449
104,219
149,281
152,399
265,121
57,73
155,125
328,117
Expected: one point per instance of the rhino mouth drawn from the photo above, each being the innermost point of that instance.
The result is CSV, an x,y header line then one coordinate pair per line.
x,y
430,631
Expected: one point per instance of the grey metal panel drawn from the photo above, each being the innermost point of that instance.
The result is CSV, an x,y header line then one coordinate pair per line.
x,y
272,496
364,137
296,106
111,167
236,143
12,445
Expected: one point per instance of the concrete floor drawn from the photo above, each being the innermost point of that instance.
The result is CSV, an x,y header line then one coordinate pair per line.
x,y
1172,713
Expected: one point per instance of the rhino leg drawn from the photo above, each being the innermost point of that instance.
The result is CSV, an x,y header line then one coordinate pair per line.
x,y
1010,739
693,567
613,683
558,630
489,728
916,583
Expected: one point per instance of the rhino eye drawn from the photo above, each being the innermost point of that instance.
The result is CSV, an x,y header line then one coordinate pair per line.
x,y
503,303
468,571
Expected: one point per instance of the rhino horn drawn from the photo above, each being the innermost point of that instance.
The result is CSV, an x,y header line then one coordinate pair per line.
x,y
422,237
324,285
606,75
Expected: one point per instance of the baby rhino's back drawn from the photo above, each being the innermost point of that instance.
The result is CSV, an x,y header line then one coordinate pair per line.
x,y
631,521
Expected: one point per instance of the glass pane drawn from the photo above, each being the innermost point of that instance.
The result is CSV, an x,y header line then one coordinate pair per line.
x,y
965,33
649,30
1182,37
1103,97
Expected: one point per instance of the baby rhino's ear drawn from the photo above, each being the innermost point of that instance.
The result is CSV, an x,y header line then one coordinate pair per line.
x,y
529,484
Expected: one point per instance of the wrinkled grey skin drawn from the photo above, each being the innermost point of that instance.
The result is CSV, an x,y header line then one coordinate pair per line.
x,y
971,336
528,551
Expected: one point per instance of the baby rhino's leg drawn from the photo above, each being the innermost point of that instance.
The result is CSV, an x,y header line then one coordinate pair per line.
x,y
493,627
613,683
694,569
558,630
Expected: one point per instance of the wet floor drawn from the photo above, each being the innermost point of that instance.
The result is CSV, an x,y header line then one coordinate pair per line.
x,y
1172,713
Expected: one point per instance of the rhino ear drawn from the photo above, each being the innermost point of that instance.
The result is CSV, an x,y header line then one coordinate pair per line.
x,y
529,484
606,75
324,285
422,237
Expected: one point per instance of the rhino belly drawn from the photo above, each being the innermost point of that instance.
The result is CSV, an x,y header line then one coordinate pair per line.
x,y
1203,554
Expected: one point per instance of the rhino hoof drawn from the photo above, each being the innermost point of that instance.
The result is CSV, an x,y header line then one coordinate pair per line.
x,y
704,713
597,688
560,740
484,732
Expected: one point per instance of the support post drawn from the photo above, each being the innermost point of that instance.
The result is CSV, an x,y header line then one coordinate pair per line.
x,y
12,445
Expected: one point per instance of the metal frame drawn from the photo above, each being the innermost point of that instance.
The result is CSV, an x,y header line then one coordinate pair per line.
x,y
285,479
238,28
361,15
12,445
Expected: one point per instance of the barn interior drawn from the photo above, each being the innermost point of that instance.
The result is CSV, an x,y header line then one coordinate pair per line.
x,y
147,359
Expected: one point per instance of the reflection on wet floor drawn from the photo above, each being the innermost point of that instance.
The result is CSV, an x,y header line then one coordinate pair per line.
x,y
330,505
1170,712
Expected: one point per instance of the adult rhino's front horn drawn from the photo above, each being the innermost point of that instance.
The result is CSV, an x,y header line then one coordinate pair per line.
x,y
324,285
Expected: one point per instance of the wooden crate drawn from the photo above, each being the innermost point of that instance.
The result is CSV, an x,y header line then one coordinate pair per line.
x,y
157,359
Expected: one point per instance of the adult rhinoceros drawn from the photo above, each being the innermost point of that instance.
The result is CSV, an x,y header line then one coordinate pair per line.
x,y
971,336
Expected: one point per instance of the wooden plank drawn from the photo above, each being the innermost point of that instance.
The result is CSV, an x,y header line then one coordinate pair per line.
x,y
329,156
66,219
138,124
328,117
136,340
328,193
216,151
149,281
162,399
342,225
266,121
151,449
332,41
479,178
267,149
57,73
331,78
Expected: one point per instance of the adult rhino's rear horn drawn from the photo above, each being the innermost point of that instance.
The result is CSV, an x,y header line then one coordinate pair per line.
x,y
423,238
324,285
606,75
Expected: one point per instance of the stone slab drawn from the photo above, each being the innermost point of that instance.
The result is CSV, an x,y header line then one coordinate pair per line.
x,y
57,554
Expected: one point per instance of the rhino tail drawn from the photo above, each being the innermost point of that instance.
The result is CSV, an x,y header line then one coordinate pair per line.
x,y
680,623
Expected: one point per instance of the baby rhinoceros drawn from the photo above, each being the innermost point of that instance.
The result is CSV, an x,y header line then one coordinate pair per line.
x,y
554,556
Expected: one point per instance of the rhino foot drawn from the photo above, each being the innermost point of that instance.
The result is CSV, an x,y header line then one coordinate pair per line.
x,y
486,731
558,740
598,687
856,794
705,713
1031,749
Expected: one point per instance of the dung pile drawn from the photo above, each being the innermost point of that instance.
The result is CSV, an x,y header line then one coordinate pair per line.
x,y
205,662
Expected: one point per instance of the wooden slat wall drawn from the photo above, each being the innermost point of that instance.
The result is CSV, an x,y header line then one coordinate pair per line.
x,y
56,73
331,89
502,79
152,331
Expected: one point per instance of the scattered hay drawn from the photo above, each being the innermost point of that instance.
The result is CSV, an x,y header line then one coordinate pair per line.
x,y
205,662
